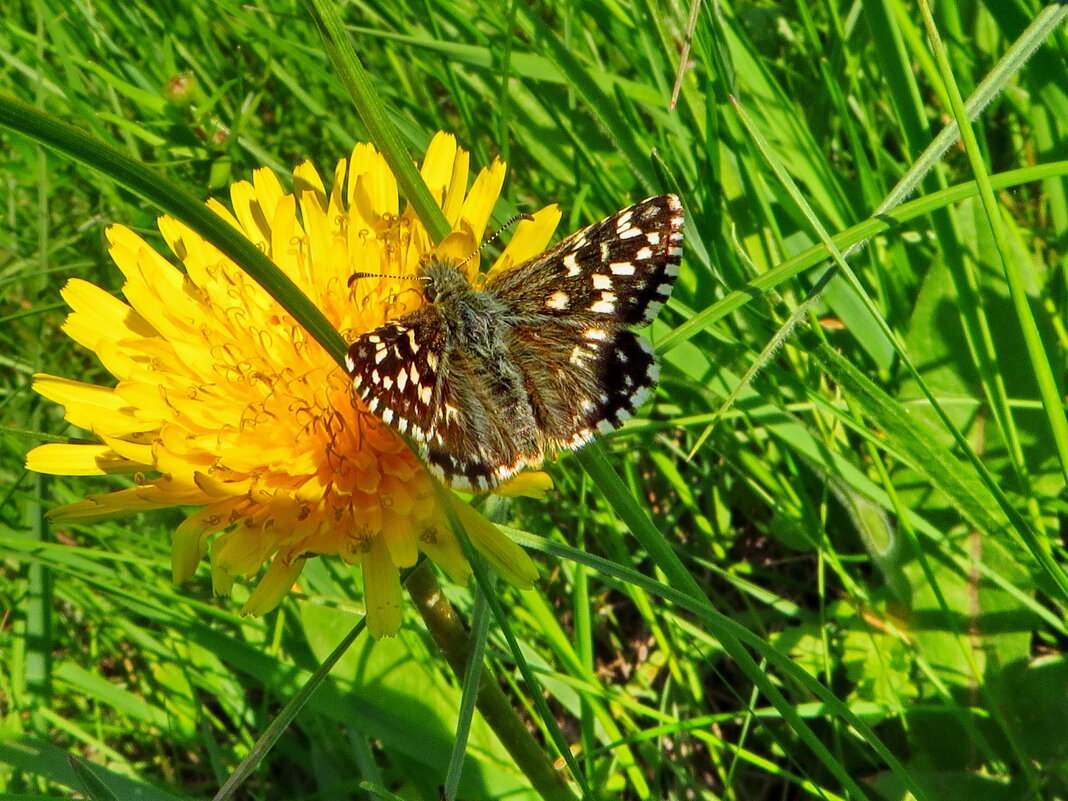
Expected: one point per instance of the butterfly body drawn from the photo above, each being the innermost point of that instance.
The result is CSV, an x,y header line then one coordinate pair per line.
x,y
490,381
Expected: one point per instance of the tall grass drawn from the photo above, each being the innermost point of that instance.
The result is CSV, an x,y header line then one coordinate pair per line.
x,y
828,559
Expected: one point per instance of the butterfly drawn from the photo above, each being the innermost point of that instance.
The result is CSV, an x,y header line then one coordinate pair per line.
x,y
490,381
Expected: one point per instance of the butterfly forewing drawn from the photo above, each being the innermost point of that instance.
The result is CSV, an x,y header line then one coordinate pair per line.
x,y
620,269
395,371
490,382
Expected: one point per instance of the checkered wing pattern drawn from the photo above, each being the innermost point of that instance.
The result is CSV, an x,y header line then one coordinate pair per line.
x,y
395,370
619,270
490,382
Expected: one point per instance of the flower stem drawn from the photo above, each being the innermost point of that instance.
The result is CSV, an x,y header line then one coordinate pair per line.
x,y
451,637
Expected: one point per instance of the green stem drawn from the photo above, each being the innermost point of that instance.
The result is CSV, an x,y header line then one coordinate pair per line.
x,y
449,634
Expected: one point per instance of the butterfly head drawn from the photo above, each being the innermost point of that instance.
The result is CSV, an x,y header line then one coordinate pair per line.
x,y
443,280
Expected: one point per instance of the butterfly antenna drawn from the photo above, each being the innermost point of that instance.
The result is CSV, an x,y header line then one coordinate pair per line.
x,y
496,235
355,276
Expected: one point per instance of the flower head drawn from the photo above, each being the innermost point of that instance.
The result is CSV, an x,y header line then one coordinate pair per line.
x,y
224,402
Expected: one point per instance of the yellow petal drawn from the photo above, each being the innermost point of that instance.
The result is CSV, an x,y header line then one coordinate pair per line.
x,y
481,200
133,452
269,192
400,537
189,543
528,484
96,314
274,585
437,169
307,179
507,558
247,209
456,187
531,238
89,405
371,186
381,590
78,460
108,505
437,542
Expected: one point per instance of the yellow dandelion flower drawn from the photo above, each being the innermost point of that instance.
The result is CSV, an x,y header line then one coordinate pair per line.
x,y
223,401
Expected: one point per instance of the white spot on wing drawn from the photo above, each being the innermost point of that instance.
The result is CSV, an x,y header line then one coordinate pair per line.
x,y
572,265
601,281
621,268
606,305
558,300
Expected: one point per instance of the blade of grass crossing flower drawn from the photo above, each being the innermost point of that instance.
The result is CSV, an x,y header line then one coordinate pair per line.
x,y
374,115
172,199
1047,384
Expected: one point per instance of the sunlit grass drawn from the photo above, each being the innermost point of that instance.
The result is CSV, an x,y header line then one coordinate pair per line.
x,y
708,569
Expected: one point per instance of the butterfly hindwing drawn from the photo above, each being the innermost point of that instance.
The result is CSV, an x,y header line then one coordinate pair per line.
x,y
478,441
583,379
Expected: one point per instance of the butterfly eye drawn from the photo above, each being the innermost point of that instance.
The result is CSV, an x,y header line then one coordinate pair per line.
x,y
430,293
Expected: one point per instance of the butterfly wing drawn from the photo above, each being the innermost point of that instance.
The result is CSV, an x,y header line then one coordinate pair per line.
x,y
396,370
445,398
482,433
620,269
560,367
582,378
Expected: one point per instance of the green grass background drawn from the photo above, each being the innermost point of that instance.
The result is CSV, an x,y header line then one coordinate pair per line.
x,y
871,530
